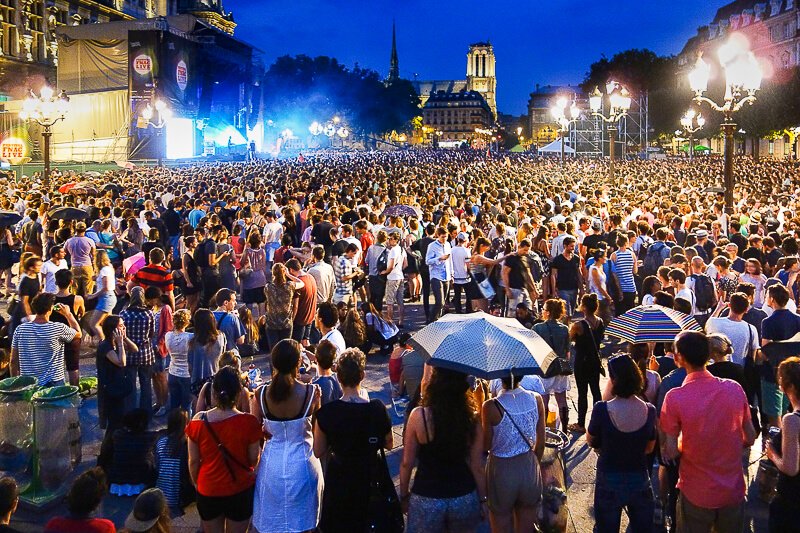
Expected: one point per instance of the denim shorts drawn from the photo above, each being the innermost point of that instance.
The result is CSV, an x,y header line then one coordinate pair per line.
x,y
106,303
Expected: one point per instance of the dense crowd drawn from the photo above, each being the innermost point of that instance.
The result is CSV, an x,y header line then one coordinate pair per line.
x,y
177,277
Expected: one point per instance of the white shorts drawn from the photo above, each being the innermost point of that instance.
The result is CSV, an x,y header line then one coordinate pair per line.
x,y
394,292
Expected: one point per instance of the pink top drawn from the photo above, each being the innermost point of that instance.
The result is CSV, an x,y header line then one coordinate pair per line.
x,y
709,414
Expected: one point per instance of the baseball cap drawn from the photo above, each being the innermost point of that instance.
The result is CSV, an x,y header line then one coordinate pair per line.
x,y
147,510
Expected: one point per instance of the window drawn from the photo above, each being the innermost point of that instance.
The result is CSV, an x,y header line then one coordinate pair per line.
x,y
772,148
775,34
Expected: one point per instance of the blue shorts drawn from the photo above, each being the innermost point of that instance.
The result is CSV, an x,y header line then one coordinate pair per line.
x,y
162,363
106,303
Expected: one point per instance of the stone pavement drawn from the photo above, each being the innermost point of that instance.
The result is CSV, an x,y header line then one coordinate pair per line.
x,y
580,460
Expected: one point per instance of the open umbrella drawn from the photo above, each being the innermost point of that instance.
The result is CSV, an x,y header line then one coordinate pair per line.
x,y
84,188
650,323
9,218
400,211
483,345
92,174
67,213
64,189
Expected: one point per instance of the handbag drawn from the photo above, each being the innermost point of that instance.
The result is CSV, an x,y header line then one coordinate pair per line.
x,y
486,288
560,366
383,508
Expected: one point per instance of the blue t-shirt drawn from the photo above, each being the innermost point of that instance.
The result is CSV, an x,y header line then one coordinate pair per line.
x,y
781,325
231,327
330,388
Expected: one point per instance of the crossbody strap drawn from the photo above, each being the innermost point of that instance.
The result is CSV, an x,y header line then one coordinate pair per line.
x,y
503,411
591,336
227,457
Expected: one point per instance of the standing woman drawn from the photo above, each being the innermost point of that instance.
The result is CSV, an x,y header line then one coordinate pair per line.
x,y
191,273
480,268
104,296
556,334
112,384
753,274
514,435
587,334
597,285
227,272
6,258
623,430
205,349
289,481
626,265
444,440
279,293
785,507
342,432
542,249
727,279
223,452
254,258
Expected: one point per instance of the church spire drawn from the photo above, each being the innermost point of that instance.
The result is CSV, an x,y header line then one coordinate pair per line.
x,y
394,64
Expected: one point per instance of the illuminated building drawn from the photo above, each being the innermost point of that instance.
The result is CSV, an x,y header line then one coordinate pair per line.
x,y
455,116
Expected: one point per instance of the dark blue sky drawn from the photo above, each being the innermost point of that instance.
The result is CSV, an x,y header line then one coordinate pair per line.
x,y
534,41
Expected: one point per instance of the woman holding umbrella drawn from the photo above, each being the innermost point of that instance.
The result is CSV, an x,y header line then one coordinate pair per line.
x,y
444,441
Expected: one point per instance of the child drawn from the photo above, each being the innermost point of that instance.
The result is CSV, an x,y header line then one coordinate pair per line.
x,y
164,325
326,379
251,333
396,364
172,461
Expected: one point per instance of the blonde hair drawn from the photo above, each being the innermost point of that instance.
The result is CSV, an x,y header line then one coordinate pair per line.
x,y
231,359
279,274
181,318
101,259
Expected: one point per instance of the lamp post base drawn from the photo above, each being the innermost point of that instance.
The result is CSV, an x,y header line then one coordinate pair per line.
x,y
728,129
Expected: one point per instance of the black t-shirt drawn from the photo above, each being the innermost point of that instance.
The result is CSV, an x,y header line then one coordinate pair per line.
x,y
518,265
753,253
739,240
29,287
592,242
569,276
172,221
728,370
771,258
351,217
421,246
201,255
339,247
321,233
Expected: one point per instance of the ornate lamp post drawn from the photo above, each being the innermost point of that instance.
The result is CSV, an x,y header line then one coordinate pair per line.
x,y
692,122
45,109
619,100
162,113
742,80
564,116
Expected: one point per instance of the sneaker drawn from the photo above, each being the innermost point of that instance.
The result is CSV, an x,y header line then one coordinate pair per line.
x,y
161,411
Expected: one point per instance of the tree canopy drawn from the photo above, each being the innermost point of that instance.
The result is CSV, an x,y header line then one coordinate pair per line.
x,y
301,89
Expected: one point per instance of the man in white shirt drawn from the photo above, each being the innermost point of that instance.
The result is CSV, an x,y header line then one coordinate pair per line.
x,y
49,268
677,278
394,278
743,336
323,274
273,233
440,265
460,256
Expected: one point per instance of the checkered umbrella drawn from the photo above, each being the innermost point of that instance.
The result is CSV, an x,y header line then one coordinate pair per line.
x,y
484,345
400,211
650,323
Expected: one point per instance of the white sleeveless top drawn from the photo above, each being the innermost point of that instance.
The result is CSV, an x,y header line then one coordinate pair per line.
x,y
520,405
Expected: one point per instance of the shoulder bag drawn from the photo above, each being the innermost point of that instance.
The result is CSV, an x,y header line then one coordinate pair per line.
x,y
384,511
229,460
513,423
560,365
596,348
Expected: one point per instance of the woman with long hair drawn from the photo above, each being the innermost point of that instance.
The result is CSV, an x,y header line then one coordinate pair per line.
x,y
254,259
179,380
289,481
650,286
105,296
190,272
541,247
727,279
205,348
224,445
380,329
252,336
587,335
172,460
132,238
641,355
597,285
444,440
785,453
753,274
227,271
354,330
280,304
480,268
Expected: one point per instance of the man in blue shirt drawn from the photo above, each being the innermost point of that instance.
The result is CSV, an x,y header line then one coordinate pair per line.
x,y
781,325
440,266
227,322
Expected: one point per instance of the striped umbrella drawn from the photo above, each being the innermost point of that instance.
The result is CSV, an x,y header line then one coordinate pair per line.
x,y
483,345
651,323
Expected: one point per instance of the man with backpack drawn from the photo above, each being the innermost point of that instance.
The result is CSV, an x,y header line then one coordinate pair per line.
x,y
653,255
377,261
704,290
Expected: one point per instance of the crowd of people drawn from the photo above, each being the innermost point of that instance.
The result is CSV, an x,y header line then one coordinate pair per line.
x,y
175,278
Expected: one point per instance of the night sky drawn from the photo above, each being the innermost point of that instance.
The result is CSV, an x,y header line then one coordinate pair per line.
x,y
535,42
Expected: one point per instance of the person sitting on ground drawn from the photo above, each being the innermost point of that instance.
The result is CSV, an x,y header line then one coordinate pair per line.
x,y
172,462
84,497
9,499
132,468
150,514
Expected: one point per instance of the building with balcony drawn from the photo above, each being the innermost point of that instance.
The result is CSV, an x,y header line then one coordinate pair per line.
x,y
541,125
456,115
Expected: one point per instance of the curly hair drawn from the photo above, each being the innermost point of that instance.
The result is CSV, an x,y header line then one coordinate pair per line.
x,y
450,399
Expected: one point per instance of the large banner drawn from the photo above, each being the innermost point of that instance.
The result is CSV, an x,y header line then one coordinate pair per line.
x,y
144,65
178,79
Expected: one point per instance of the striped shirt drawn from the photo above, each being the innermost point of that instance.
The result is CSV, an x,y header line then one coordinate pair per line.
x,y
624,270
169,472
154,276
41,350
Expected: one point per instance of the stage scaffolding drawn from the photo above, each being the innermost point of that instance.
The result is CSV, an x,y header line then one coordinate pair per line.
x,y
589,135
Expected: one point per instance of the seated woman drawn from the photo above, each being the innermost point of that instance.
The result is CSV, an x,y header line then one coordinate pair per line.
x,y
132,468
380,330
84,497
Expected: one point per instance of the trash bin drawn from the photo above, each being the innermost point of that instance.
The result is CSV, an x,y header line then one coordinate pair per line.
x,y
16,428
57,442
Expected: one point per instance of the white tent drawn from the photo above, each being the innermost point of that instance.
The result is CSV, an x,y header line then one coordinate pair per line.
x,y
555,148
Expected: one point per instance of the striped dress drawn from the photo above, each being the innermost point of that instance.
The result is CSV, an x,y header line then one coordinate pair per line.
x,y
169,472
624,270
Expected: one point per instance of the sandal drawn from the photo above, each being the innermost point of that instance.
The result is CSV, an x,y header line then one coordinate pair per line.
x,y
575,428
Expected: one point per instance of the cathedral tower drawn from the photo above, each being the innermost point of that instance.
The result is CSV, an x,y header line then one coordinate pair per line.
x,y
394,63
481,73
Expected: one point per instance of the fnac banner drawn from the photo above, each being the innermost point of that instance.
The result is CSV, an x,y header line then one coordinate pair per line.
x,y
15,146
143,66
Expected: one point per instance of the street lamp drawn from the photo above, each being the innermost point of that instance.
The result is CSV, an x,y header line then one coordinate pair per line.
x,y
45,109
331,129
619,100
742,80
564,116
161,113
691,123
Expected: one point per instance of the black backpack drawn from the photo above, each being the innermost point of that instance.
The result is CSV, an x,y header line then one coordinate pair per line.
x,y
704,291
651,258
383,261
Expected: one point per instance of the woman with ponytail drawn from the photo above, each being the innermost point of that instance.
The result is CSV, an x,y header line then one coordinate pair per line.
x,y
289,482
587,334
223,452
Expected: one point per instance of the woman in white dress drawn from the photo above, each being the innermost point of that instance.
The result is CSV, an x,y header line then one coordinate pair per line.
x,y
289,481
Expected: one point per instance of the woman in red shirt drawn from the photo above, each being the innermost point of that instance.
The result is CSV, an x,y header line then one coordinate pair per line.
x,y
224,446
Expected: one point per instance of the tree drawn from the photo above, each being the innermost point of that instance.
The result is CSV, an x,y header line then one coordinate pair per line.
x,y
301,89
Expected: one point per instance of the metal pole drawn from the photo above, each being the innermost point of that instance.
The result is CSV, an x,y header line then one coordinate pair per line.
x,y
46,134
611,131
562,147
728,129
691,147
